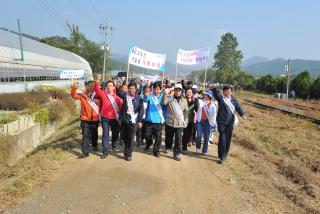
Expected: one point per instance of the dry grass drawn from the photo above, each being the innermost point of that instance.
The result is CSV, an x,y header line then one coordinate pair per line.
x,y
21,101
284,148
39,166
309,108
5,147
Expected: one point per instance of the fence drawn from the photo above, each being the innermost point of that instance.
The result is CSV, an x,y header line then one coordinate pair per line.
x,y
22,123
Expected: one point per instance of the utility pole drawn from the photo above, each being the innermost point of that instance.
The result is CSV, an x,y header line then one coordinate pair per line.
x,y
288,77
22,57
103,28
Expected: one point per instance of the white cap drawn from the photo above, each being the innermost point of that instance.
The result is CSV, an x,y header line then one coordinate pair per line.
x,y
178,86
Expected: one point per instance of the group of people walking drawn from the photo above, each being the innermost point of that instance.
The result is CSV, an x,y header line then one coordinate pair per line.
x,y
132,111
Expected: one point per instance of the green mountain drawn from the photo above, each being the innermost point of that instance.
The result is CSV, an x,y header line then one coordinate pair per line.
x,y
276,67
253,60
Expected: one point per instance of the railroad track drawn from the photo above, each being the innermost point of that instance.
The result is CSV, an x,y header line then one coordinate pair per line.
x,y
285,111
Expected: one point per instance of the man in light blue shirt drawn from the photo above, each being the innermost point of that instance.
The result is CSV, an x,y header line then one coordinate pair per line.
x,y
154,119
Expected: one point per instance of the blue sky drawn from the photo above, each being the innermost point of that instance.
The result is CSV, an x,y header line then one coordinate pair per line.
x,y
264,28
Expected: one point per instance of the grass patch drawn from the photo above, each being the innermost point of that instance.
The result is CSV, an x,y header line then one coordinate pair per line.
x,y
287,149
7,118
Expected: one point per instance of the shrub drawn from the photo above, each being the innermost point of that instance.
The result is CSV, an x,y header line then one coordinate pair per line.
x,y
42,116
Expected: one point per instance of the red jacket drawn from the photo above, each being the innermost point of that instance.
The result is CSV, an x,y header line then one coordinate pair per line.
x,y
107,110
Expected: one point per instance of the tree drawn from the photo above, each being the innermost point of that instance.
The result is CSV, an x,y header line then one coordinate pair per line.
x,y
227,59
280,84
266,84
245,80
315,89
61,42
92,53
79,44
301,85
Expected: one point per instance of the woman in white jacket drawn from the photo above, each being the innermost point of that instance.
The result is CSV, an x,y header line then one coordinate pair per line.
x,y
206,120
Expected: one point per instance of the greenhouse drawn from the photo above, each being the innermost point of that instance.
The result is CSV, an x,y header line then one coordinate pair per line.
x,y
40,62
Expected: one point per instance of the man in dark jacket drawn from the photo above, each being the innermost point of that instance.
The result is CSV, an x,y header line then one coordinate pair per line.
x,y
226,119
130,117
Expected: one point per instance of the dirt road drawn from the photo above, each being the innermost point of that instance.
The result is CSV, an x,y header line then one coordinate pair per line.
x,y
147,184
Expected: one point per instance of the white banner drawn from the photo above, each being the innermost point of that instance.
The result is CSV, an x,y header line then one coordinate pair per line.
x,y
71,74
146,59
192,57
149,78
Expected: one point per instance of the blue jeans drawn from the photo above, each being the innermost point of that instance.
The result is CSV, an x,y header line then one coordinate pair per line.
x,y
203,127
106,123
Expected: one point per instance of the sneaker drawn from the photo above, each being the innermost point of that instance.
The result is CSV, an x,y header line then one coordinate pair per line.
x,y
177,157
166,151
220,161
157,154
128,158
198,151
103,156
95,148
83,156
205,153
146,149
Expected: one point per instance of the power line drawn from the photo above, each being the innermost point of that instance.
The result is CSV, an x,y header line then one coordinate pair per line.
x,y
52,12
95,9
56,11
54,17
82,11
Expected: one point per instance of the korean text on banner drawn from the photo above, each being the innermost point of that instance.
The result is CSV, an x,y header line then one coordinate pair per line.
x,y
192,57
146,59
71,74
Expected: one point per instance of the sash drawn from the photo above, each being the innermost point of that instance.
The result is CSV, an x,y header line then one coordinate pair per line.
x,y
232,109
190,107
155,100
92,103
131,110
177,108
114,104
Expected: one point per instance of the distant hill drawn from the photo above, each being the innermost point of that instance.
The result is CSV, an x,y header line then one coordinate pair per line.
x,y
276,67
253,60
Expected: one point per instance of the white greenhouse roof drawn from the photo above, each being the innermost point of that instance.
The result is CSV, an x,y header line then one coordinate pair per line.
x,y
36,54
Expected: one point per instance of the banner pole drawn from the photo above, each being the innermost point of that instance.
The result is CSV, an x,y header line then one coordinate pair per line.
x,y
205,75
127,79
162,78
176,72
